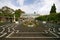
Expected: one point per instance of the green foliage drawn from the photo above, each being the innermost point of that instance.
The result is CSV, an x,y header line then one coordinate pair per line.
x,y
55,17
58,17
1,14
18,13
42,18
52,17
53,9
9,13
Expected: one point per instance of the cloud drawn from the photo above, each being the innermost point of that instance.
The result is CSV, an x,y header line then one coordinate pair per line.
x,y
21,2
57,2
7,3
40,6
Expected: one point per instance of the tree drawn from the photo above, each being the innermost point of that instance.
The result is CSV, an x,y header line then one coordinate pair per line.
x,y
53,9
1,14
58,17
51,17
18,13
42,18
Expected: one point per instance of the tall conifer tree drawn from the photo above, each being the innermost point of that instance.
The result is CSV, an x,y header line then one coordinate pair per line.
x,y
53,9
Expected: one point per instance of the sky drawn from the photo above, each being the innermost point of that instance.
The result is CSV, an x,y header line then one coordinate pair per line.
x,y
41,7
